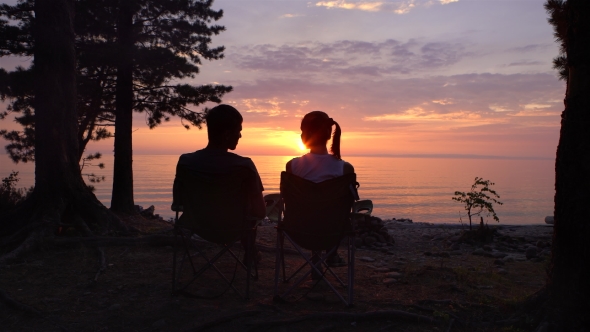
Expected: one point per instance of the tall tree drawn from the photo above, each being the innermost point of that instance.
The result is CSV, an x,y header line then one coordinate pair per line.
x,y
177,33
122,193
166,43
568,283
60,195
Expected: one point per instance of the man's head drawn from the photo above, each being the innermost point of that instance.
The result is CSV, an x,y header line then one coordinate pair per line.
x,y
224,124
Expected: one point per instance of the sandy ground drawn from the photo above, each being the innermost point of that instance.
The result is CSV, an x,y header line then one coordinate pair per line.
x,y
426,273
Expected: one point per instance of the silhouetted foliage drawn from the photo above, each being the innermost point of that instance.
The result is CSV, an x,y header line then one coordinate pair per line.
x,y
170,39
480,199
557,18
10,195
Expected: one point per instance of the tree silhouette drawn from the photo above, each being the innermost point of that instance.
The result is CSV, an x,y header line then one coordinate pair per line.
x,y
60,196
164,41
568,283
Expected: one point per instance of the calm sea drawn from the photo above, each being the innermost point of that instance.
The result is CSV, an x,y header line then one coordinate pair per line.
x,y
415,188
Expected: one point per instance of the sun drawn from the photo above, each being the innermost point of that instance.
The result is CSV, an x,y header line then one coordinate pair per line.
x,y
301,145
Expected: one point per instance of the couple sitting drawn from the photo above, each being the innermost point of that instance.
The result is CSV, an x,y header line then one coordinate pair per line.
x,y
224,126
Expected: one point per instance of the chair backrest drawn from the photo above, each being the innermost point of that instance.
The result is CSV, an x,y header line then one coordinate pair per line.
x,y
214,206
317,215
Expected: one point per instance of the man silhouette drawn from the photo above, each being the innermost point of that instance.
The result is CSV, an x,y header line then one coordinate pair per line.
x,y
224,126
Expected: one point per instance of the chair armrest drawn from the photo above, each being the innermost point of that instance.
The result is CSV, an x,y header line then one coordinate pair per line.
x,y
176,207
364,207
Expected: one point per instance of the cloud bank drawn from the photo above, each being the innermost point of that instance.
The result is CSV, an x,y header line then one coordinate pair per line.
x,y
397,7
349,58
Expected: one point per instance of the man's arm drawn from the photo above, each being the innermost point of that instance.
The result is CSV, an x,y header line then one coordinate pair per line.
x,y
288,167
176,201
256,204
257,207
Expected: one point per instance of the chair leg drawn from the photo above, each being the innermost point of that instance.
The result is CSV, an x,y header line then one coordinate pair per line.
x,y
351,251
283,257
278,259
174,258
249,261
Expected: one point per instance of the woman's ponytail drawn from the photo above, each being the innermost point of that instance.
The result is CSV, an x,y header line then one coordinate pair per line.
x,y
335,148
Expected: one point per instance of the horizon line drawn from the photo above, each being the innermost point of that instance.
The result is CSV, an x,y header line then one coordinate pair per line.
x,y
379,155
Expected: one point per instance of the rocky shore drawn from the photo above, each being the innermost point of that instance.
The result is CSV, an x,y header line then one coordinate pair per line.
x,y
426,244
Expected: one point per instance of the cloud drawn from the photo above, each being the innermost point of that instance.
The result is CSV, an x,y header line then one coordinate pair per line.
x,y
524,63
397,7
530,48
290,15
373,105
401,7
349,58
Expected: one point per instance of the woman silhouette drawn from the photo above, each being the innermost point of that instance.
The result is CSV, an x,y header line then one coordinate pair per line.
x,y
318,165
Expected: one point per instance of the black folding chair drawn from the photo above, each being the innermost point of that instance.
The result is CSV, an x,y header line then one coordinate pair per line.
x,y
214,208
317,217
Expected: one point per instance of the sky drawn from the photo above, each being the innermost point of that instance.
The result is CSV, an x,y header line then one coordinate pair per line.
x,y
410,77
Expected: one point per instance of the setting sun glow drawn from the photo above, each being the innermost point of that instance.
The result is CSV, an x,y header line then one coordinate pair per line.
x,y
301,146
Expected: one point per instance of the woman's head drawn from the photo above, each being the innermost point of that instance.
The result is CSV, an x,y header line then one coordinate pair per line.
x,y
316,129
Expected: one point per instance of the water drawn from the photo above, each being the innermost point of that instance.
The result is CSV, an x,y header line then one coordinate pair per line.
x,y
415,188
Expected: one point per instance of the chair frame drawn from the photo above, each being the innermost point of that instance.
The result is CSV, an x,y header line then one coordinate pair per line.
x,y
181,237
184,231
316,267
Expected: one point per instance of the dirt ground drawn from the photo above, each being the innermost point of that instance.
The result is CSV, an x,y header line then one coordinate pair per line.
x,y
430,287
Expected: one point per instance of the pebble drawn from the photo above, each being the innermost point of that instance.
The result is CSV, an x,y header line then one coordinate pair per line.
x,y
393,275
502,271
369,240
367,259
382,269
389,281
498,262
456,246
478,252
508,259
531,252
444,254
499,254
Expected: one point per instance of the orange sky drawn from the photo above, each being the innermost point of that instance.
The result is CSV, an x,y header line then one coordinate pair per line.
x,y
408,77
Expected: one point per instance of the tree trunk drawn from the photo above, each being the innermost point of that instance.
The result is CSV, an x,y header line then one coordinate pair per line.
x,y
122,196
60,194
568,283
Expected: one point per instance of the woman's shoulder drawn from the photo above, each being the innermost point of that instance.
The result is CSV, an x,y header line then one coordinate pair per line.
x,y
289,164
347,167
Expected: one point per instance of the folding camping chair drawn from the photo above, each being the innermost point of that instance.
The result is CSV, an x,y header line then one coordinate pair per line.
x,y
214,208
316,218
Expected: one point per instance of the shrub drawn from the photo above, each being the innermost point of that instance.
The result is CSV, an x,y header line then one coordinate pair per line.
x,y
10,196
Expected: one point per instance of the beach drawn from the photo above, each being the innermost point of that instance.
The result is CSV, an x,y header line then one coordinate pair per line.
x,y
425,270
